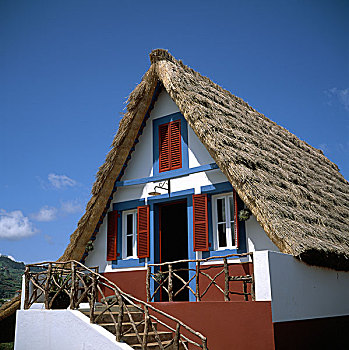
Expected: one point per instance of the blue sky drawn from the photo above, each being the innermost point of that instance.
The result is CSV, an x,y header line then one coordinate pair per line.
x,y
66,68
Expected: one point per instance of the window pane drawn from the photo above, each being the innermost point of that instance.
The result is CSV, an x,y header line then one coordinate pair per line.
x,y
231,205
222,237
129,224
129,245
221,209
232,234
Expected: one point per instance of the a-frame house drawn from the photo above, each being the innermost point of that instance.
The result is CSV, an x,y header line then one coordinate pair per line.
x,y
258,218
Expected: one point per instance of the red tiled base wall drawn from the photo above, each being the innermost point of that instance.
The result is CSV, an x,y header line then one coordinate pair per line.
x,y
132,282
227,325
320,333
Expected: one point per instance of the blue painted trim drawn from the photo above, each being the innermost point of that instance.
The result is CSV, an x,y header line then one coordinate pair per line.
x,y
168,174
122,206
163,198
184,142
217,188
127,205
154,248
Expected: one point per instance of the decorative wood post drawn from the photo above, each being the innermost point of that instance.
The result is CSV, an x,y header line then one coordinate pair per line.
x,y
204,344
93,297
120,317
226,280
146,327
176,337
170,290
47,286
26,288
197,292
245,290
253,296
72,290
147,286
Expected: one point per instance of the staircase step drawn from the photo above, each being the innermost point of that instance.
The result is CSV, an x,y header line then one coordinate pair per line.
x,y
131,338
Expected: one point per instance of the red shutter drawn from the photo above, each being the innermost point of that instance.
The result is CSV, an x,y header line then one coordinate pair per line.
x,y
200,222
236,219
175,144
164,148
143,231
112,235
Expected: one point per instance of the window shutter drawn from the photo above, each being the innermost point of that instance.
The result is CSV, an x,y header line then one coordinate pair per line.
x,y
236,219
112,235
175,144
200,222
143,231
164,148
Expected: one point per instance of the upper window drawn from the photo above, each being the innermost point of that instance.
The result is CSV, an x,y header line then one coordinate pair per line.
x,y
225,231
170,149
129,234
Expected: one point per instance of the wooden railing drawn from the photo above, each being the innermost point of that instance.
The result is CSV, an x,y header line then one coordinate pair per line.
x,y
165,275
80,284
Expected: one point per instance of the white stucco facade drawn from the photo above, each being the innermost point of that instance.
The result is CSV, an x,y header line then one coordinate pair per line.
x,y
298,291
61,330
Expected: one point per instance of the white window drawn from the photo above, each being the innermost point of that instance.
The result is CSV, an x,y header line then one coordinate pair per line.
x,y
129,234
224,232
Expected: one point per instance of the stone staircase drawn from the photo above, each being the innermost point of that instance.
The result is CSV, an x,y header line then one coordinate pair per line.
x,y
130,337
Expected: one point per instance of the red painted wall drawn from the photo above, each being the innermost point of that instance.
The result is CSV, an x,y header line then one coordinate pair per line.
x,y
132,282
213,293
227,325
317,333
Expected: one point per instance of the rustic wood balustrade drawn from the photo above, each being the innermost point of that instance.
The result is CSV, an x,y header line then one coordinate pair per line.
x,y
164,275
81,284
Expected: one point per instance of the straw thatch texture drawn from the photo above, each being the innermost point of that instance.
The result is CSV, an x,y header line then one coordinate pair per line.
x,y
297,195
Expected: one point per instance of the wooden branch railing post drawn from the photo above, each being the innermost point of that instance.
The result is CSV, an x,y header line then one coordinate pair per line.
x,y
176,337
73,286
26,288
148,283
93,297
170,284
47,286
197,275
120,317
226,280
146,328
204,344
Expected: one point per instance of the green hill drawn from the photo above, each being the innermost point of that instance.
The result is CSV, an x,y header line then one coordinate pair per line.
x,y
10,277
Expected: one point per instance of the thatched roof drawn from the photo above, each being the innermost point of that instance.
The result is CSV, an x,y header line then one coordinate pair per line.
x,y
297,195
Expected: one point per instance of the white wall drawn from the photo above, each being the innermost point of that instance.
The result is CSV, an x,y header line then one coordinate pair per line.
x,y
299,291
256,237
61,330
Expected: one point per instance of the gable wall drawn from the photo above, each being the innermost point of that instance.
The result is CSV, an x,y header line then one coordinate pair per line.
x,y
141,166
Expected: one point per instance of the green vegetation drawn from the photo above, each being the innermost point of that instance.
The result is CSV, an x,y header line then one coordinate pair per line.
x,y
6,346
10,277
